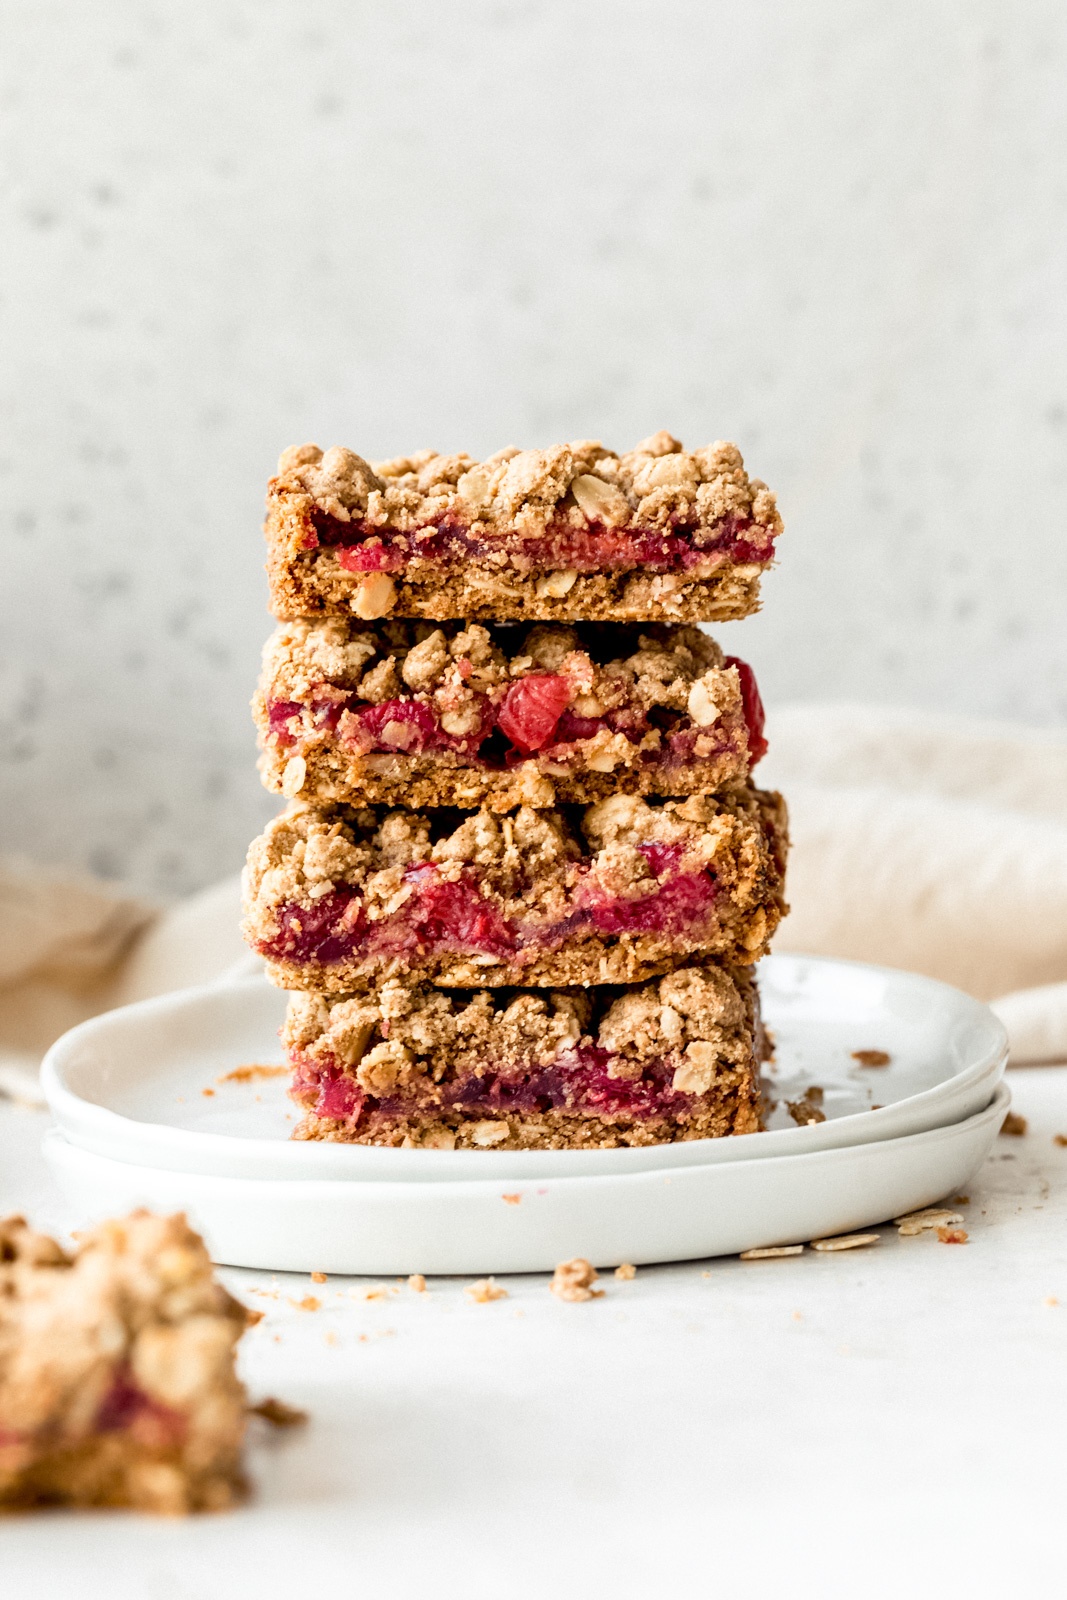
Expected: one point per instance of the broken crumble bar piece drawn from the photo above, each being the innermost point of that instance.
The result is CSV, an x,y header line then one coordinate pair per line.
x,y
573,532
117,1381
337,900
406,713
410,1065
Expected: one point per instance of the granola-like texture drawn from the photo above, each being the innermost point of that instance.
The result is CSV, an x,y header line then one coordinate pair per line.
x,y
337,900
411,1065
574,532
117,1380
466,715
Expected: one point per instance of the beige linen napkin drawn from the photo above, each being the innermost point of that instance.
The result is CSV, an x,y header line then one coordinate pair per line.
x,y
70,948
935,844
927,843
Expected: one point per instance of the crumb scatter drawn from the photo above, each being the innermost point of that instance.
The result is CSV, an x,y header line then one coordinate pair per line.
x,y
278,1414
484,1291
771,1251
573,1280
804,1112
845,1241
251,1071
926,1221
872,1058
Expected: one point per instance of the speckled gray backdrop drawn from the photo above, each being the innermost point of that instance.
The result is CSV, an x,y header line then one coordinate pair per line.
x,y
833,231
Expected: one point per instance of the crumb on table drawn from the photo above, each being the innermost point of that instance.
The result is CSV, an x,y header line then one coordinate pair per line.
x,y
846,1241
485,1290
251,1072
573,1280
804,1112
926,1221
770,1252
278,1414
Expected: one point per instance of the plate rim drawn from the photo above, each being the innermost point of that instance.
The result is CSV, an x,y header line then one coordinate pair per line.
x,y
73,1112
998,1106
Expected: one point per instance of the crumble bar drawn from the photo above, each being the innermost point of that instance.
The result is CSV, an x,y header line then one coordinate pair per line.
x,y
337,900
410,1065
117,1380
572,532
413,714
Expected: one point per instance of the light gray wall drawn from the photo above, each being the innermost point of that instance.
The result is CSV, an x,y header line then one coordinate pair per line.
x,y
833,231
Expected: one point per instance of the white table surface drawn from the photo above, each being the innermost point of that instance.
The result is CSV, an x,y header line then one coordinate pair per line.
x,y
887,1421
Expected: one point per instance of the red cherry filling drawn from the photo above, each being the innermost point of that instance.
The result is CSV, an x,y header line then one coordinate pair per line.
x,y
578,1082
752,705
127,1408
362,546
371,556
532,708
406,725
454,916
446,916
681,900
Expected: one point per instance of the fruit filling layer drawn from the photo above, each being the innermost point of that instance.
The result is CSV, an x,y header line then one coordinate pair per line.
x,y
334,896
579,1082
570,509
362,546
561,696
477,1067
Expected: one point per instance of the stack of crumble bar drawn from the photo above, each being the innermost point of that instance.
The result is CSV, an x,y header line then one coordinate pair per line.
x,y
524,875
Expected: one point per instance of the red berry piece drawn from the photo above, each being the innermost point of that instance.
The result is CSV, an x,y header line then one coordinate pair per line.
x,y
406,725
532,708
753,709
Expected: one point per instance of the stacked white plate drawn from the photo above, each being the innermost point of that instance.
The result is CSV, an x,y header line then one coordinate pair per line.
x,y
148,1112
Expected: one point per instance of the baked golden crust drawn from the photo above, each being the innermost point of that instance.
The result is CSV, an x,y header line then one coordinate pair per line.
x,y
407,1064
338,900
418,714
117,1379
575,532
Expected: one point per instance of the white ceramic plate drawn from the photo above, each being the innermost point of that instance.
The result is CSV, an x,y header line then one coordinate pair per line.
x,y
312,1225
131,1085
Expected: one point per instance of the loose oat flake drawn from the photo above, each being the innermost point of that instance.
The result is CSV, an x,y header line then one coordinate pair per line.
x,y
767,1252
846,1241
926,1221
